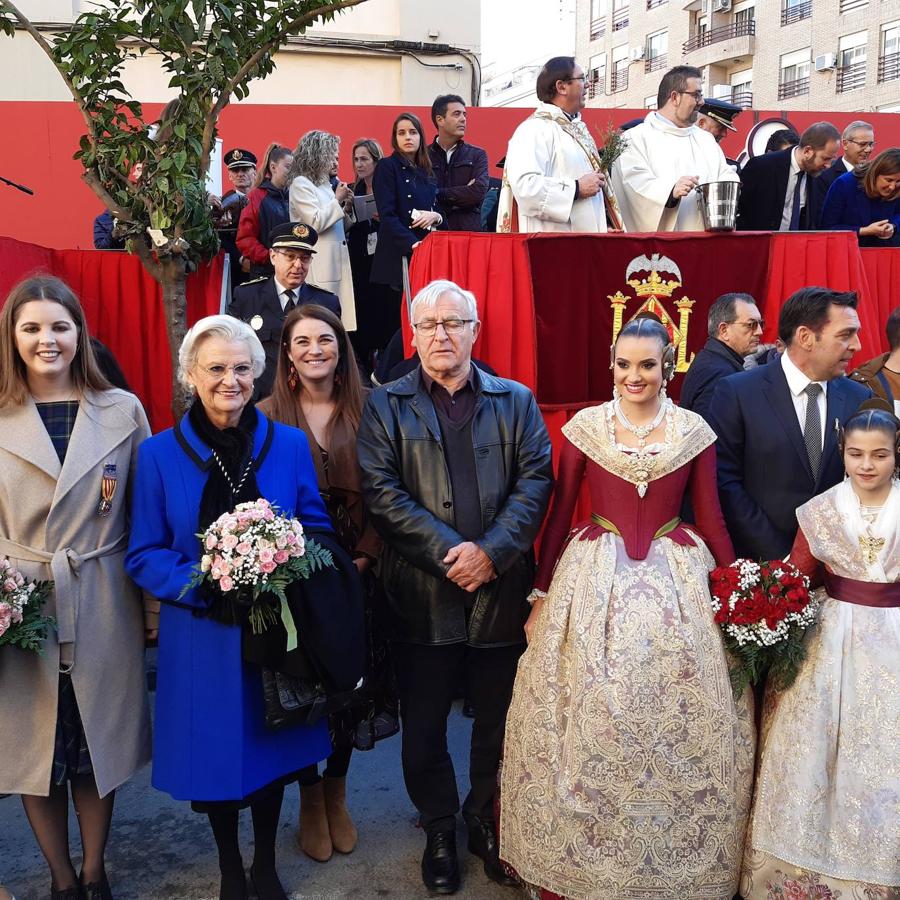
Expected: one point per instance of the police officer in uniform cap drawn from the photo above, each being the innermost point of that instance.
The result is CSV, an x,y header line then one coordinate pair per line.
x,y
265,302
240,166
717,117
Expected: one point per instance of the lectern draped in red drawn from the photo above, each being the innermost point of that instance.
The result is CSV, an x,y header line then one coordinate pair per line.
x,y
123,305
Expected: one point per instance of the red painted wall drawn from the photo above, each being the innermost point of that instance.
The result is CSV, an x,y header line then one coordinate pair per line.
x,y
40,138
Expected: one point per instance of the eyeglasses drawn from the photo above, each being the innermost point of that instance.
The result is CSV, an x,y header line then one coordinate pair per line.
x,y
576,78
866,145
752,324
697,95
451,326
292,256
242,371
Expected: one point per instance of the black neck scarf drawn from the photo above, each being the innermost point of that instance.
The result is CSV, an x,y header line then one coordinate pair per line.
x,y
234,447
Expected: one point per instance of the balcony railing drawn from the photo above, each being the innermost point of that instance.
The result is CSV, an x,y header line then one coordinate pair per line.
x,y
619,81
741,97
851,77
796,12
598,28
796,88
723,33
655,62
852,5
596,84
652,4
889,67
620,19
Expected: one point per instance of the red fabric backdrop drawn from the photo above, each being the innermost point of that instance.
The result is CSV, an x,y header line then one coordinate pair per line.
x,y
499,269
123,305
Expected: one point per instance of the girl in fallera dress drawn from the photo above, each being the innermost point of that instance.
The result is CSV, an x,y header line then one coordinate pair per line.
x,y
826,819
628,762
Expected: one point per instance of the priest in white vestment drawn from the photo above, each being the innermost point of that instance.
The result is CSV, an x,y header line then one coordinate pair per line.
x,y
551,178
667,156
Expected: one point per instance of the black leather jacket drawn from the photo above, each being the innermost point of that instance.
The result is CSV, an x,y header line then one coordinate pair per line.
x,y
407,491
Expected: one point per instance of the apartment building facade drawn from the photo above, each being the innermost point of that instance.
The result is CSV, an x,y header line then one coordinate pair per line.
x,y
836,55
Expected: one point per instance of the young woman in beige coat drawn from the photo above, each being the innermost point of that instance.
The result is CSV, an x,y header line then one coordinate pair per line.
x,y
76,716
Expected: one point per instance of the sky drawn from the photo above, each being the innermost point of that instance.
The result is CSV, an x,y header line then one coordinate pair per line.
x,y
514,32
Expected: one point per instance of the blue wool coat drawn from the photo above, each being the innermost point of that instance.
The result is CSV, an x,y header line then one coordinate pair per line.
x,y
210,740
848,208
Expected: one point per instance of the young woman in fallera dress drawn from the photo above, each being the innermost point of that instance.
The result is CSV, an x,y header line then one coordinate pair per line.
x,y
627,760
826,819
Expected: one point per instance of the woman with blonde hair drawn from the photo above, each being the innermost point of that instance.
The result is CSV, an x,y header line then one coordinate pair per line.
x,y
313,202
74,717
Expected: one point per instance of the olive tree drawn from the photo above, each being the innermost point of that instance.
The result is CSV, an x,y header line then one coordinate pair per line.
x,y
212,51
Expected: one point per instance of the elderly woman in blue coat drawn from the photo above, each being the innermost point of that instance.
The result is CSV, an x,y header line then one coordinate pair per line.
x,y
211,745
405,196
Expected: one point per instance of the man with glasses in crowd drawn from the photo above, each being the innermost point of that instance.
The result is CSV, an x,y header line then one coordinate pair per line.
x,y
735,328
456,477
858,143
265,302
667,156
551,177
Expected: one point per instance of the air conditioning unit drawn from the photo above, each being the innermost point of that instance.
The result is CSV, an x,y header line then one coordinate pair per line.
x,y
825,62
636,53
721,92
721,5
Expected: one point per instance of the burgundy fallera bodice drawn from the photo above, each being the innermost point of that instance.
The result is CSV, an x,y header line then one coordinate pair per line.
x,y
637,519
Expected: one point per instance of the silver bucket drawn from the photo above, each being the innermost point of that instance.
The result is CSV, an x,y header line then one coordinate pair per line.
x,y
718,204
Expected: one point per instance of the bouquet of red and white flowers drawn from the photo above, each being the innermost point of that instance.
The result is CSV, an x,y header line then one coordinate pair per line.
x,y
21,601
763,610
249,557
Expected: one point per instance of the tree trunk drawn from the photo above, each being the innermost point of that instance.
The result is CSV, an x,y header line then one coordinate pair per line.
x,y
173,282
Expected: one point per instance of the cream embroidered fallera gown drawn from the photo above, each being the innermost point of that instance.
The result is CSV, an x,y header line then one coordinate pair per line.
x,y
627,761
826,819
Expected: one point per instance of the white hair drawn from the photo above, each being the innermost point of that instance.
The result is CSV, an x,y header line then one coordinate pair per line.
x,y
429,296
858,125
228,329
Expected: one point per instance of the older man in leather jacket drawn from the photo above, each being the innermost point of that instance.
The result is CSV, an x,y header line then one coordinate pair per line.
x,y
456,475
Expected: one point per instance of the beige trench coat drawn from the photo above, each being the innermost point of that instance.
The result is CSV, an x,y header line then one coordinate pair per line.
x,y
52,510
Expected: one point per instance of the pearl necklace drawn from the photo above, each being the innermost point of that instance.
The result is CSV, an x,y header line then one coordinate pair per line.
x,y
639,431
240,484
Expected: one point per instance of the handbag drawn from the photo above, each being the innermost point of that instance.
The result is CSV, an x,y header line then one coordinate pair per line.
x,y
290,701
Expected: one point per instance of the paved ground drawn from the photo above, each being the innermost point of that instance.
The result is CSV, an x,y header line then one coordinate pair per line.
x,y
160,850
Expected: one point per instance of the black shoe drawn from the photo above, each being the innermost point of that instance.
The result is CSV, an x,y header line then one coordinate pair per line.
x,y
96,890
483,843
440,867
267,884
73,893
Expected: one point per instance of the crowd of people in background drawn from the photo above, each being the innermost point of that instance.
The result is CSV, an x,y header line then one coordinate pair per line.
x,y
609,756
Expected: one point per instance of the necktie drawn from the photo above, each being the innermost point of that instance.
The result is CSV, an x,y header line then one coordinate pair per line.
x,y
812,430
795,206
290,303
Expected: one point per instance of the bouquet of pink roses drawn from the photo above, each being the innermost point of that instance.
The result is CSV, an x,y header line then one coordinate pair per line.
x,y
21,601
249,557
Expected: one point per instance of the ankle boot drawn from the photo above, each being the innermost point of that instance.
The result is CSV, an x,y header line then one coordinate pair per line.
x,y
315,841
340,825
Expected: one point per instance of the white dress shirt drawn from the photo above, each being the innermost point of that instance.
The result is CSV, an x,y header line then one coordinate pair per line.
x,y
847,165
280,290
789,196
797,384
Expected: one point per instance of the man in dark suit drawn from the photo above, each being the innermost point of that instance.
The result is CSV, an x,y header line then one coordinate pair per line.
x,y
265,302
735,326
857,142
777,425
781,191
